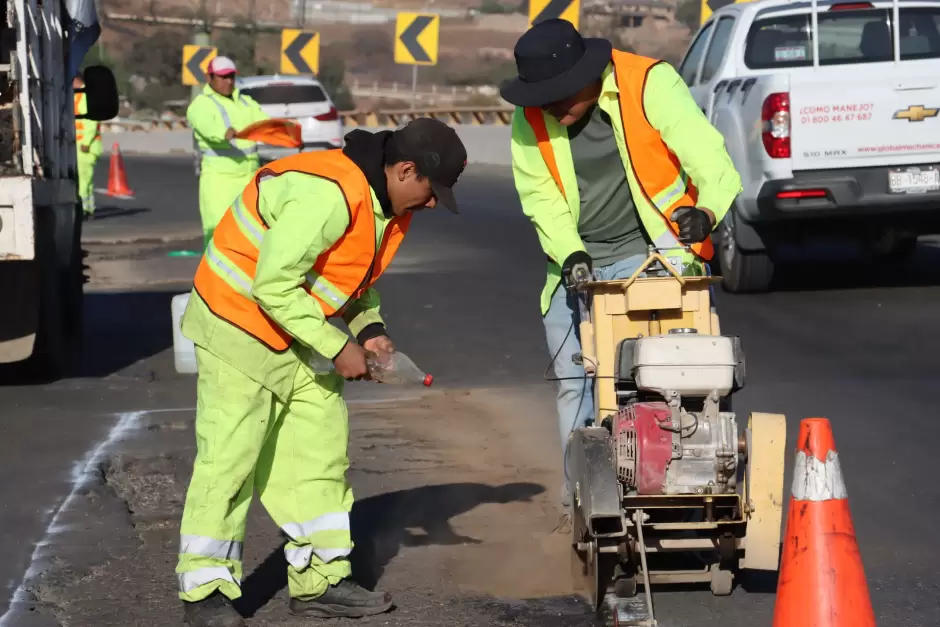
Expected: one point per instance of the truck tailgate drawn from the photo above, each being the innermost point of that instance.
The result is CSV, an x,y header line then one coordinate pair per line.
x,y
873,121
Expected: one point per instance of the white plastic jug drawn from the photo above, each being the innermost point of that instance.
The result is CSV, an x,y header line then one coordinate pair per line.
x,y
184,353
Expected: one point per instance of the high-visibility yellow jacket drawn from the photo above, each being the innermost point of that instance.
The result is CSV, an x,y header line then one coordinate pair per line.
x,y
296,239
209,116
671,155
87,132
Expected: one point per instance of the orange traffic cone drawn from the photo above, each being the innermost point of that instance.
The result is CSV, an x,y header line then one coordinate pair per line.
x,y
822,582
117,177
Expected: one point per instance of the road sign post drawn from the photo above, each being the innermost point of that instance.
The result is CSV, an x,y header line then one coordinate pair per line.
x,y
196,60
541,10
417,36
300,51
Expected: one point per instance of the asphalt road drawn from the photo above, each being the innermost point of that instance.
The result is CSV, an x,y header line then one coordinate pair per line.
x,y
853,343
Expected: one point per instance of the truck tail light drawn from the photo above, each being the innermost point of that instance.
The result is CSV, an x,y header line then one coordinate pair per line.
x,y
775,116
330,116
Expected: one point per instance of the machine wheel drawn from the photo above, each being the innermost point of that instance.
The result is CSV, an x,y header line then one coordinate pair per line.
x,y
625,587
722,581
593,571
741,271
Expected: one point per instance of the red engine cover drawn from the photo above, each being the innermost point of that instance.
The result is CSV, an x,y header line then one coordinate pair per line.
x,y
652,448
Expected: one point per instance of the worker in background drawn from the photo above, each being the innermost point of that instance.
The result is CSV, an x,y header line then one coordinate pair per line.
x,y
610,154
303,244
226,163
88,147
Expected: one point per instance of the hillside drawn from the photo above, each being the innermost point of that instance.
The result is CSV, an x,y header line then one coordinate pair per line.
x,y
474,49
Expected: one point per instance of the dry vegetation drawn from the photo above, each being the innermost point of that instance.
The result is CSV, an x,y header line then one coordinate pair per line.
x,y
472,52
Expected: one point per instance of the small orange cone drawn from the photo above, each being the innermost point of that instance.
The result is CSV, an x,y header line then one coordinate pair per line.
x,y
117,177
822,582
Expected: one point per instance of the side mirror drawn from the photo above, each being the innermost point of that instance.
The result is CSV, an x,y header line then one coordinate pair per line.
x,y
101,94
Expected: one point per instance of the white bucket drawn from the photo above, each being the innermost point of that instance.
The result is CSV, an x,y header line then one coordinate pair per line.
x,y
184,353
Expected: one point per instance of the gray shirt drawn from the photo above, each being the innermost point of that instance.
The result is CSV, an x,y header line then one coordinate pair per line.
x,y
609,225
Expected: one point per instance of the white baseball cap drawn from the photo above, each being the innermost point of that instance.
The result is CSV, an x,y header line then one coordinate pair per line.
x,y
222,66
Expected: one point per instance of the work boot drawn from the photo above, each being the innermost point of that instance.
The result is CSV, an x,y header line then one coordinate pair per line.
x,y
213,611
344,599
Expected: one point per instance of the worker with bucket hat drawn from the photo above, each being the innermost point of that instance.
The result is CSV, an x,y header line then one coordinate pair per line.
x,y
226,163
610,154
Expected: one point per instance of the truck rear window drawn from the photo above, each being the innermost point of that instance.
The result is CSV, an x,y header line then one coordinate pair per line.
x,y
845,37
285,94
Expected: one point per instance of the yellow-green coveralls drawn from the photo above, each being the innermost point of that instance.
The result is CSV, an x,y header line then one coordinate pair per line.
x,y
86,134
274,422
225,166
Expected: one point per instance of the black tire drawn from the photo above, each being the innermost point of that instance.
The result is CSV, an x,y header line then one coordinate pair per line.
x,y
51,348
742,271
901,250
73,280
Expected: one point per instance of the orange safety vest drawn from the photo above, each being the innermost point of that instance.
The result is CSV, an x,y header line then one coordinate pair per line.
x,y
79,123
654,165
339,276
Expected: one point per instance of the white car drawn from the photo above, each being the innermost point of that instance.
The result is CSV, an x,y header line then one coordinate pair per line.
x,y
298,98
835,135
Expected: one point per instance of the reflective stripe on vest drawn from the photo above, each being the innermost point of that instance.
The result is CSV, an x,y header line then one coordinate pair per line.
x,y
226,272
234,152
657,170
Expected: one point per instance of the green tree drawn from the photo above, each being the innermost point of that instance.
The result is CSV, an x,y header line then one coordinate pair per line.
x,y
241,47
98,55
333,78
689,13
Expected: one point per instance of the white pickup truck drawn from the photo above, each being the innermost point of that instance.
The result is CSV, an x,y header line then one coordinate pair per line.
x,y
835,135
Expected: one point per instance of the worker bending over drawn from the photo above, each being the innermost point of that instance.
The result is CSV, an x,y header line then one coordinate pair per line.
x,y
226,164
610,154
88,147
303,243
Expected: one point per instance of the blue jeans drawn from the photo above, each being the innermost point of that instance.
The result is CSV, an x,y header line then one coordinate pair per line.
x,y
575,397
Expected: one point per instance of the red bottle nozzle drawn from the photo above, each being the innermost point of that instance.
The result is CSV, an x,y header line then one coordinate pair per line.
x,y
428,380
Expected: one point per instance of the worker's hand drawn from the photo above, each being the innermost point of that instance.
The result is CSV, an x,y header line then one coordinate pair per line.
x,y
577,269
379,344
351,362
230,134
695,225
85,148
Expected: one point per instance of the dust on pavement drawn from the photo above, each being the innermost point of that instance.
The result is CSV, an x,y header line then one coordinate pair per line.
x,y
456,503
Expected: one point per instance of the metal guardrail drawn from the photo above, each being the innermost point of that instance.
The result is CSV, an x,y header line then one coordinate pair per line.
x,y
476,116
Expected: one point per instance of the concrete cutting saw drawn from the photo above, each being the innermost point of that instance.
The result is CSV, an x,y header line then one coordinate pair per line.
x,y
666,488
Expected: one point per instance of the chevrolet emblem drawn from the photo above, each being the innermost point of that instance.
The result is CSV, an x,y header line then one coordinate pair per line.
x,y
915,113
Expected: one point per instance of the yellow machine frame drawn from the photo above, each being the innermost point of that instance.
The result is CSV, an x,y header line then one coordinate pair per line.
x,y
643,306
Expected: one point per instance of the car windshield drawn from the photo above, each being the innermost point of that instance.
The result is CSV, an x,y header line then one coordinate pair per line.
x,y
846,36
285,94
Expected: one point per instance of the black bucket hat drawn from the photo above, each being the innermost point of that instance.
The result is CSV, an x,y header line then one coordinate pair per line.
x,y
554,62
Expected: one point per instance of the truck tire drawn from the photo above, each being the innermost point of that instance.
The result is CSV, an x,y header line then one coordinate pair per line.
x,y
742,271
72,271
51,348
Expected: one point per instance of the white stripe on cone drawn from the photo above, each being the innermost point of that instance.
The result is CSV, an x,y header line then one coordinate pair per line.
x,y
815,480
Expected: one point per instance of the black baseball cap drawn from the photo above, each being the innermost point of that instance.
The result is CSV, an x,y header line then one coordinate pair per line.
x,y
437,153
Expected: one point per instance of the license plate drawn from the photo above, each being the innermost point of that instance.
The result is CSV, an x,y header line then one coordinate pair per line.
x,y
914,181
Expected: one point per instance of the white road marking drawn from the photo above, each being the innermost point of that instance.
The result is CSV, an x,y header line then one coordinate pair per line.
x,y
83,473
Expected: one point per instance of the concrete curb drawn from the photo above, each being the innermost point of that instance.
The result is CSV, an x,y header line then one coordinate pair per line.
x,y
485,144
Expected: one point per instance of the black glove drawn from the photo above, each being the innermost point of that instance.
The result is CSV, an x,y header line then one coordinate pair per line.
x,y
577,269
694,224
